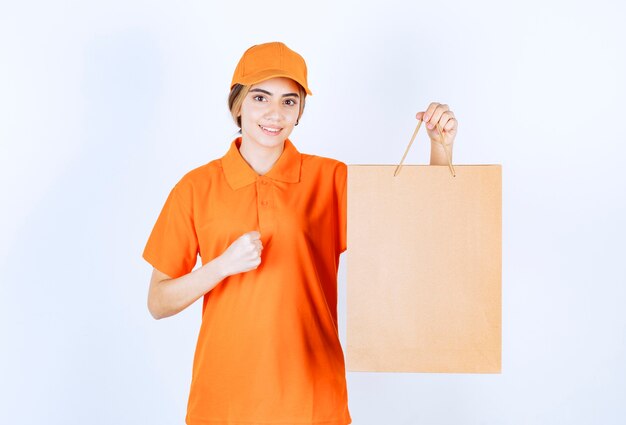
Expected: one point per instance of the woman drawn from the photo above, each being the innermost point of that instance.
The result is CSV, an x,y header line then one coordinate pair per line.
x,y
269,224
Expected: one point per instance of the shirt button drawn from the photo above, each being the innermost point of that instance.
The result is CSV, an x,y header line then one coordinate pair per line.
x,y
264,203
264,182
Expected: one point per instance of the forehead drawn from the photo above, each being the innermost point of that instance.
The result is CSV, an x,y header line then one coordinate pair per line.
x,y
278,85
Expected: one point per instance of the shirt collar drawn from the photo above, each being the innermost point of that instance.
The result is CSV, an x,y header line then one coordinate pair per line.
x,y
239,173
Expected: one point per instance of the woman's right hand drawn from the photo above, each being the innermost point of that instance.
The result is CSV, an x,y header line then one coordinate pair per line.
x,y
243,254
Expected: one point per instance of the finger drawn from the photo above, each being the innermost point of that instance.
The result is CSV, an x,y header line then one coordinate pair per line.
x,y
436,117
430,111
451,125
443,121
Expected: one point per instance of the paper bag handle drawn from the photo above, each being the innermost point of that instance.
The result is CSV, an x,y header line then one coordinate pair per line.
x,y
419,123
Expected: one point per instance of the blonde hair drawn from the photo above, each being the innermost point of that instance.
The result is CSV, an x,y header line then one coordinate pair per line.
x,y
239,93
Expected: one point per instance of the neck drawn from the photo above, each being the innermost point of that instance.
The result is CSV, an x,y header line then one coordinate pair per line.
x,y
260,158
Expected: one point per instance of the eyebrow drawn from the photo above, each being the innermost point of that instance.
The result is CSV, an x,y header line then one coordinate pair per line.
x,y
270,94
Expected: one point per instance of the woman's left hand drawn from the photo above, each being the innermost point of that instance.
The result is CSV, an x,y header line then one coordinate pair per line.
x,y
438,113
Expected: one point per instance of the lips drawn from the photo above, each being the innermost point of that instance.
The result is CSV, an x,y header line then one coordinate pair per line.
x,y
272,131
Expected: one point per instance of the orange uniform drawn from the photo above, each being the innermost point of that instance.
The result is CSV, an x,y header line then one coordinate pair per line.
x,y
268,351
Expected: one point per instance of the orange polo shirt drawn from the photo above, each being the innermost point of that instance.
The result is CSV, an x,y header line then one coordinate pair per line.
x,y
268,350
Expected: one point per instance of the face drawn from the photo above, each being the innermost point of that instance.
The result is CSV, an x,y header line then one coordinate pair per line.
x,y
269,112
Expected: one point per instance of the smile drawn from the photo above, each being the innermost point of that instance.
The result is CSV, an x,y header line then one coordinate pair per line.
x,y
270,130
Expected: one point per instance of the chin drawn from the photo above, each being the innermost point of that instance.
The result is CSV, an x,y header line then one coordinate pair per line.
x,y
278,141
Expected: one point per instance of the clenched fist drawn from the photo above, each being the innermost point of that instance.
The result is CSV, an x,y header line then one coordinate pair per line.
x,y
243,254
439,113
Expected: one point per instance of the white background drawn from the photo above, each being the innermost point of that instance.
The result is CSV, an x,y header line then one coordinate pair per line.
x,y
105,105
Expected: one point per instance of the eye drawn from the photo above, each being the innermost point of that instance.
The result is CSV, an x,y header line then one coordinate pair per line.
x,y
293,102
257,96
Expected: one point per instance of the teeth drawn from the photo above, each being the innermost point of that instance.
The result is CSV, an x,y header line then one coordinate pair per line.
x,y
270,129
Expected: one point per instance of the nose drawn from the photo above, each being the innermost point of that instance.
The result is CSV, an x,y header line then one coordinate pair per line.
x,y
274,112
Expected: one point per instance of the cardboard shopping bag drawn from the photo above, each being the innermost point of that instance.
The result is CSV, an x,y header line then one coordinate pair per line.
x,y
424,267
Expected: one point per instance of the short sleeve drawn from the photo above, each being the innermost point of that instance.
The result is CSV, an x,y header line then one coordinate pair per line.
x,y
341,189
172,247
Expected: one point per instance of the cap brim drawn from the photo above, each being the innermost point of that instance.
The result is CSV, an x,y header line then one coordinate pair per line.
x,y
266,74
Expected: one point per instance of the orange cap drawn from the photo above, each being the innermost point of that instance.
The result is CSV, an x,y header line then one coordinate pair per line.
x,y
264,61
